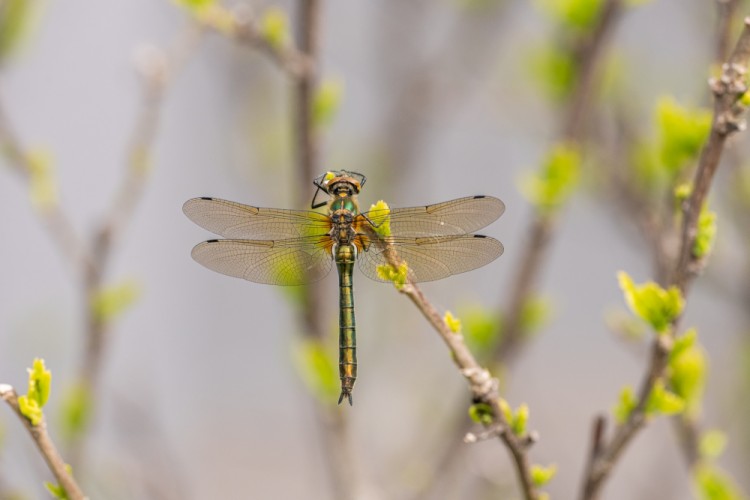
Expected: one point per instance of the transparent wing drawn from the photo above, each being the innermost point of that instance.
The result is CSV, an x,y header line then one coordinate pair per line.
x,y
285,262
238,221
461,216
431,258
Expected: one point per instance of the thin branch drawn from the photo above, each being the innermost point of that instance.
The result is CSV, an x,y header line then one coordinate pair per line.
x,y
157,70
603,457
45,445
242,26
483,386
727,13
588,55
687,427
727,120
56,221
727,90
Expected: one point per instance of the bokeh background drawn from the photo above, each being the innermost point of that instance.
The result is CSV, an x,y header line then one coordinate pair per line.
x,y
201,394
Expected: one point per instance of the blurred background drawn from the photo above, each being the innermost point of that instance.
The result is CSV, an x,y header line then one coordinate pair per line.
x,y
202,386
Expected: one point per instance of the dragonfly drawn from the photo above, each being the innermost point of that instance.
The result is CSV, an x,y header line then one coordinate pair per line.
x,y
296,247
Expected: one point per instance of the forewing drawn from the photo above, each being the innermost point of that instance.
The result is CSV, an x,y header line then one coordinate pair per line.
x,y
461,216
237,221
285,262
433,258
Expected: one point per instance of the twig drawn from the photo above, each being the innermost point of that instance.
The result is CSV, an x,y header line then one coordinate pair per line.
x,y
727,12
588,55
604,456
302,66
483,386
45,445
157,71
243,28
727,90
687,427
61,230
425,94
727,119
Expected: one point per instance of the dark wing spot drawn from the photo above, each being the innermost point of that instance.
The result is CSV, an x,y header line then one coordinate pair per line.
x,y
206,198
479,197
479,236
212,241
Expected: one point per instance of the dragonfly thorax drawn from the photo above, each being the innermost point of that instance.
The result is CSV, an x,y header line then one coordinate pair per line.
x,y
342,230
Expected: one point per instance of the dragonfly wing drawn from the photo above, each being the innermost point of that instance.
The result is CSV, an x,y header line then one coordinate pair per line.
x,y
461,216
238,221
284,262
432,258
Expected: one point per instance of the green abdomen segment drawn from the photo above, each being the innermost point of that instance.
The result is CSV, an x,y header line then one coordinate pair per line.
x,y
345,255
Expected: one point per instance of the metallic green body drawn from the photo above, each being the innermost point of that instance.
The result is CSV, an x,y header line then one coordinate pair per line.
x,y
292,247
345,256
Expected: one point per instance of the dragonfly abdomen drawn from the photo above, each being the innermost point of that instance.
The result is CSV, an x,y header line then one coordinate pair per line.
x,y
345,256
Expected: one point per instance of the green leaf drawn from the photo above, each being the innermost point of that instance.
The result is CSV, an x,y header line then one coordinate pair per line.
x,y
625,324
575,15
682,192
506,409
16,19
706,233
550,187
195,4
712,444
481,328
683,343
520,419
534,314
76,411
40,382
481,413
554,71
681,132
210,13
326,102
274,27
30,409
110,302
648,172
380,215
396,275
714,484
687,371
542,475
317,369
655,305
663,402
625,405
453,323
42,183
56,490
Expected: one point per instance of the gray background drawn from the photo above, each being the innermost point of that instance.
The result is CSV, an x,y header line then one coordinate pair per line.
x,y
199,386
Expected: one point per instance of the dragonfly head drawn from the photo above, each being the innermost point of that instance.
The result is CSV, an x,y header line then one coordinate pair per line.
x,y
341,182
338,183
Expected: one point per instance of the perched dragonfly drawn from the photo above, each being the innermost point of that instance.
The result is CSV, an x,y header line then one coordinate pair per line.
x,y
294,247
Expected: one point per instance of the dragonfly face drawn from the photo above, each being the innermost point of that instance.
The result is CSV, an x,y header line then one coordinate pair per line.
x,y
294,247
